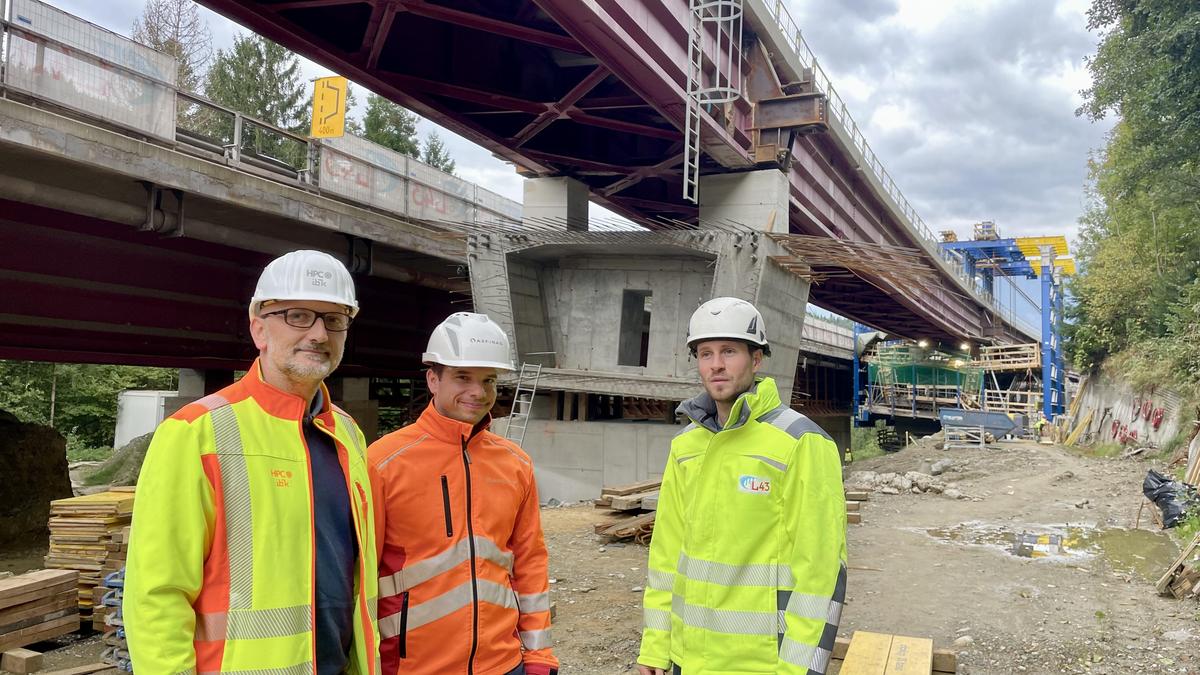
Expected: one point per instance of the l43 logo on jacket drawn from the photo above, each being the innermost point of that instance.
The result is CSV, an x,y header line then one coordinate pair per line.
x,y
754,485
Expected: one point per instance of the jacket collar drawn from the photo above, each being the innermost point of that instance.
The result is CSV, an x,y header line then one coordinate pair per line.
x,y
279,403
759,399
450,430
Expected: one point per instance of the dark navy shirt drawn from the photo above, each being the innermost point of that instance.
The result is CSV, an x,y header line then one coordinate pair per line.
x,y
336,550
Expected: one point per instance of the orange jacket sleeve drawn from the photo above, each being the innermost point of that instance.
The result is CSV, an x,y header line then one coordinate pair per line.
x,y
531,581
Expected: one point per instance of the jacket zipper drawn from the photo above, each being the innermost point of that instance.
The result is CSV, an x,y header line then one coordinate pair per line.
x,y
404,626
474,579
446,507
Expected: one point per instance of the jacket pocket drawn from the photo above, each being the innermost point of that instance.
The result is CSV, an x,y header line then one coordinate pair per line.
x,y
446,508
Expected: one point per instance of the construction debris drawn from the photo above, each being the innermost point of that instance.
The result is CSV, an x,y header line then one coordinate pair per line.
x,y
116,649
37,606
854,500
103,603
81,530
1182,577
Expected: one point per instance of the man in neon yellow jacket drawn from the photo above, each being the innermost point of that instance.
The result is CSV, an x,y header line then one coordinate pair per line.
x,y
748,559
253,545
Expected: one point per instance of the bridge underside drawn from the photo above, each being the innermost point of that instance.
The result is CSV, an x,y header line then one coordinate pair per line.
x,y
594,91
112,294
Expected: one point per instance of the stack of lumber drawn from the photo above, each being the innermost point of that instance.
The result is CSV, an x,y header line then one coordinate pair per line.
x,y
869,653
854,500
113,565
634,505
37,606
81,529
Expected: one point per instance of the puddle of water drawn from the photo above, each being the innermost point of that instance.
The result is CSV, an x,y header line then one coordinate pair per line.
x,y
1139,552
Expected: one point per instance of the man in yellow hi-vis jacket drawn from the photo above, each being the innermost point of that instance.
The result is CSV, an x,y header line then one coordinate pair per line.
x,y
748,559
253,545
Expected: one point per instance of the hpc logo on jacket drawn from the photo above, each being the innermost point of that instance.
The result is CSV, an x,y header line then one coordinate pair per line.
x,y
754,485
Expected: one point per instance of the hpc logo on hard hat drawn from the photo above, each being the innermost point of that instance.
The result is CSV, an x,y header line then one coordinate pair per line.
x,y
305,275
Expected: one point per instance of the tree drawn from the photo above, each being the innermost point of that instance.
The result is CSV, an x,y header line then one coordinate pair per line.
x,y
391,126
83,397
353,126
435,154
260,78
176,27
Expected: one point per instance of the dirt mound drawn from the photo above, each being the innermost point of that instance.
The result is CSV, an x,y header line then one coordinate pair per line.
x,y
33,462
123,467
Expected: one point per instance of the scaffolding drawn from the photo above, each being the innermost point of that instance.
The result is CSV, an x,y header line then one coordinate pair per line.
x,y
907,380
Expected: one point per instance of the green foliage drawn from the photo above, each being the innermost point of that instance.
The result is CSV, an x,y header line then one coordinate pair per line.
x,y
1137,298
259,78
436,155
1186,529
84,396
864,444
391,126
1106,450
86,454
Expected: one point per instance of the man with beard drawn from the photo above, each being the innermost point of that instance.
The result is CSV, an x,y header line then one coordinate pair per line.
x,y
253,544
747,561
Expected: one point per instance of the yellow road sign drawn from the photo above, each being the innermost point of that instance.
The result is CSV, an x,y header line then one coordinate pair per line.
x,y
329,107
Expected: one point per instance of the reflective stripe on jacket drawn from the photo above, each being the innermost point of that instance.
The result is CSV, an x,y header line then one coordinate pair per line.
x,y
464,583
221,574
747,562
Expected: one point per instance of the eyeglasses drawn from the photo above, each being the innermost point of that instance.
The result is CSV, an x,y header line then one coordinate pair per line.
x,y
298,317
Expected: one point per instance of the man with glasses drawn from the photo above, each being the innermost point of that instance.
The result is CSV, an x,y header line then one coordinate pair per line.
x,y
253,543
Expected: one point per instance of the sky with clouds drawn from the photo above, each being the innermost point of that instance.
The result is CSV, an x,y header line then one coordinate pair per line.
x,y
970,105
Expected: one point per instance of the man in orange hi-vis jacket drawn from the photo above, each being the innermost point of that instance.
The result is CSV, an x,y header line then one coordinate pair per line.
x,y
463,579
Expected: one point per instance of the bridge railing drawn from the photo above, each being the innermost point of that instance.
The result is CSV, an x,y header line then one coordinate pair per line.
x,y
52,56
839,111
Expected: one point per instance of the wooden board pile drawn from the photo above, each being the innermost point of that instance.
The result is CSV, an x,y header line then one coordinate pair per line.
x,y
854,501
37,606
81,529
869,653
635,504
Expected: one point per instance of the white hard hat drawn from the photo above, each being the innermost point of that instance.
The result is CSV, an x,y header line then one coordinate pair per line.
x,y
305,275
728,319
468,340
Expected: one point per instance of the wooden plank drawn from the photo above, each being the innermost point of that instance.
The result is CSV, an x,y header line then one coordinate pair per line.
x,y
31,596
868,654
910,656
944,660
34,610
852,507
32,581
632,488
858,495
81,670
650,503
21,661
28,636
853,518
603,502
631,502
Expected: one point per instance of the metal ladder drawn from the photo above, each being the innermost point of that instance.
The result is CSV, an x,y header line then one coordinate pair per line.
x,y
522,405
724,85
691,134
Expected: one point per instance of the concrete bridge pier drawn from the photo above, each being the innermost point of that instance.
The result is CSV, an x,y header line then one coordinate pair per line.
x,y
759,201
556,199
353,394
196,384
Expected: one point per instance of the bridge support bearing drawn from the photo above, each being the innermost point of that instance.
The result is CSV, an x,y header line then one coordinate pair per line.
x,y
558,200
758,201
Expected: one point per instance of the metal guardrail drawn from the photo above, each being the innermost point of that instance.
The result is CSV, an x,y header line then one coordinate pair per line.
x,y
52,56
839,111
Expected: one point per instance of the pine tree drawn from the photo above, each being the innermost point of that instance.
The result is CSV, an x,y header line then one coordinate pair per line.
x,y
436,155
176,27
391,126
260,78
